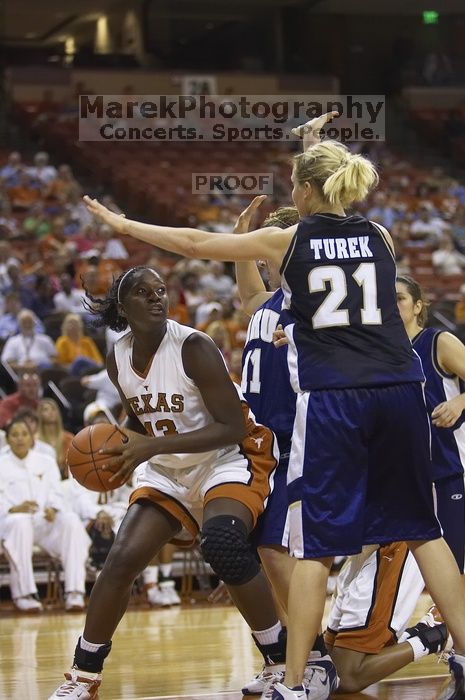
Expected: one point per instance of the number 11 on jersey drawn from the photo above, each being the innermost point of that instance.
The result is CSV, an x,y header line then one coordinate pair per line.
x,y
252,358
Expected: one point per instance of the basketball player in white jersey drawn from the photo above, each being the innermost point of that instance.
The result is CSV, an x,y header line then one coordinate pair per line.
x,y
201,466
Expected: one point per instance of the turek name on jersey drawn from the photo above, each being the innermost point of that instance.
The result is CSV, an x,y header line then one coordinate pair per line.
x,y
330,248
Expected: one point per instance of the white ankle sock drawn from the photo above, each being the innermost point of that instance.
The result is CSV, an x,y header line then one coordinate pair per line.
x,y
269,636
89,646
419,649
150,575
165,570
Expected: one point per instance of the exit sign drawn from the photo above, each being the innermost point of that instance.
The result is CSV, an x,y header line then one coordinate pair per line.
x,y
430,17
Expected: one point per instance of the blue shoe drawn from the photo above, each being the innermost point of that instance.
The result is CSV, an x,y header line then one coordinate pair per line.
x,y
320,678
282,692
455,689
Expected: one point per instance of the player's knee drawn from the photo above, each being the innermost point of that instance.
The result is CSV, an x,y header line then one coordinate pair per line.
x,y
350,683
21,522
122,565
225,546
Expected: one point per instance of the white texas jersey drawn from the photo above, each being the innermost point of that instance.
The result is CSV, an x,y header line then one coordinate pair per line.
x,y
164,398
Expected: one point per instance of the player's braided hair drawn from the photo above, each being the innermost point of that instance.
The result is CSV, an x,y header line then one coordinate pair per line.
x,y
106,310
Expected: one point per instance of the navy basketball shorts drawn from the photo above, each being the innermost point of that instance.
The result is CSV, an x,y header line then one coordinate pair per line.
x,y
450,506
360,470
271,525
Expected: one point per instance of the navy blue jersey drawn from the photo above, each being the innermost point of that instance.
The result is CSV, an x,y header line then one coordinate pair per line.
x,y
341,316
447,444
265,376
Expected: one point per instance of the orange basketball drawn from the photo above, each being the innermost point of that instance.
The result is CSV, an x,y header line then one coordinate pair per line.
x,y
84,461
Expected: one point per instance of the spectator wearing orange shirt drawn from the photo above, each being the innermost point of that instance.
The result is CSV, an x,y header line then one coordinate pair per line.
x,y
177,310
24,194
76,351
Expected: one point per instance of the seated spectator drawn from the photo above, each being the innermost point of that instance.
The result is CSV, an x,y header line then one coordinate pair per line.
x,y
32,419
76,351
10,174
6,260
25,194
69,299
50,431
218,332
8,223
217,280
447,260
55,241
111,337
78,212
106,391
112,247
26,396
177,309
32,512
18,283
9,318
192,293
101,515
41,170
37,224
96,412
424,230
235,365
42,299
381,211
28,350
208,311
60,188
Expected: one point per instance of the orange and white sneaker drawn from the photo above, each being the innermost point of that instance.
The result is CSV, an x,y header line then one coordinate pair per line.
x,y
79,685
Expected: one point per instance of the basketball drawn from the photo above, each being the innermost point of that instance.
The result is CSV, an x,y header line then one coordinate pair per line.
x,y
84,461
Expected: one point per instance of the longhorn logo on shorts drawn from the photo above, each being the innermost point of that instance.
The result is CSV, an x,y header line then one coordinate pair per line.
x,y
258,442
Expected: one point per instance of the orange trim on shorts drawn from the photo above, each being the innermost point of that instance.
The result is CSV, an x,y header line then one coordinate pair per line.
x,y
257,448
377,633
173,507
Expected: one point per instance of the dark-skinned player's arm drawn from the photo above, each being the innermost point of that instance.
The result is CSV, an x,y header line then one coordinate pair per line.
x,y
204,364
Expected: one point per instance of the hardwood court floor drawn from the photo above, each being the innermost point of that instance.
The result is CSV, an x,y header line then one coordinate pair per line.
x,y
198,652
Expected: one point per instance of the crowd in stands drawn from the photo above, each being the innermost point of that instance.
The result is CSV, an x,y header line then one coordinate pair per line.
x,y
52,370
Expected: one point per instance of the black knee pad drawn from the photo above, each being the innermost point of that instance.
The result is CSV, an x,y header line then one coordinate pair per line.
x,y
91,661
225,546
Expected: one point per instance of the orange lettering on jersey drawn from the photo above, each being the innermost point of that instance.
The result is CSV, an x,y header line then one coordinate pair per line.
x,y
134,403
162,404
148,428
177,403
147,407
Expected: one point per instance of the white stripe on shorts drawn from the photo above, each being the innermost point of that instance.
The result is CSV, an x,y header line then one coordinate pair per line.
x,y
296,533
299,432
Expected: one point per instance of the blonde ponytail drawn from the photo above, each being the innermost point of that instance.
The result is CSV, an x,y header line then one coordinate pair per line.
x,y
341,177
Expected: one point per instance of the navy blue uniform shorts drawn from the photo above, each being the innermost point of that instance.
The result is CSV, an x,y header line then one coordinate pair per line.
x,y
360,470
450,506
271,525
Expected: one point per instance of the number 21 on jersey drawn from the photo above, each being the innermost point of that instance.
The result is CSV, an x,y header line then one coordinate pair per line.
x,y
330,313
